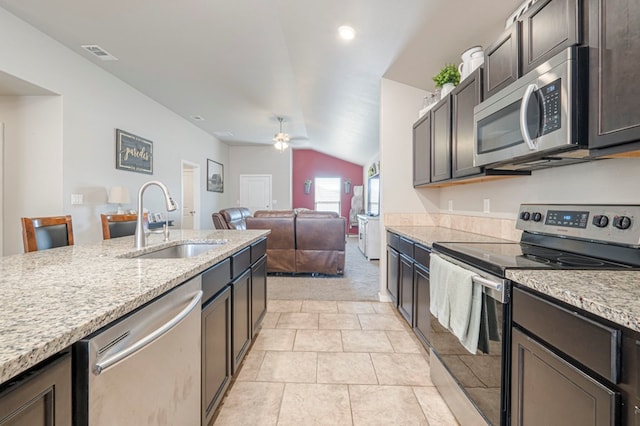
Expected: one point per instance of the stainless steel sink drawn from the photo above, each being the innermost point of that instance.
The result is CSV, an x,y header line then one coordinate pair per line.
x,y
181,251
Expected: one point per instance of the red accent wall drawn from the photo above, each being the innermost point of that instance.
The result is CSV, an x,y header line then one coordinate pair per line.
x,y
309,164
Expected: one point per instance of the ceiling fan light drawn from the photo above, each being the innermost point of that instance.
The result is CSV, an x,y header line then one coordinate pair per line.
x,y
281,146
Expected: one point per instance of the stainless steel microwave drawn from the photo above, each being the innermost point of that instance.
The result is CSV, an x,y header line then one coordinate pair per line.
x,y
538,121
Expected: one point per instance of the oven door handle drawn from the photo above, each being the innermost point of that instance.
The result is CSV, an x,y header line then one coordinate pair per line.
x,y
487,283
524,109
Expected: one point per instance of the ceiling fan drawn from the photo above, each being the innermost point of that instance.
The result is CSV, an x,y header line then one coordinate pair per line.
x,y
282,140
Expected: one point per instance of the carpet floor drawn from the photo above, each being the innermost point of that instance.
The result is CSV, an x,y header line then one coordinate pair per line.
x,y
360,282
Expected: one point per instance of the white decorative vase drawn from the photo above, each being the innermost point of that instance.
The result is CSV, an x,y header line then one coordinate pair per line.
x,y
446,89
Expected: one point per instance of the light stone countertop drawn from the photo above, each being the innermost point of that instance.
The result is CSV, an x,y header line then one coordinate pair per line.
x,y
427,235
614,295
53,298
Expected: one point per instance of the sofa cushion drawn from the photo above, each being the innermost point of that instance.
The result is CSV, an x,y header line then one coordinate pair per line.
x,y
316,214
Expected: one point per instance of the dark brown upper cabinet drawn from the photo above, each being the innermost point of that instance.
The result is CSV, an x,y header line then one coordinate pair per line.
x,y
502,61
614,58
549,27
441,140
465,97
422,150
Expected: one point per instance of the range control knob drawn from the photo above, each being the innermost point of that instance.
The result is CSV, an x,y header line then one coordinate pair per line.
x,y
525,216
537,217
621,222
600,221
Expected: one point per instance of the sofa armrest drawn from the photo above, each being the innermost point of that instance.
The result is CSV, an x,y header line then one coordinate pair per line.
x,y
218,221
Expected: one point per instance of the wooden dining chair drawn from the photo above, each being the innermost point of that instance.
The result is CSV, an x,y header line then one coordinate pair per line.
x,y
118,225
41,233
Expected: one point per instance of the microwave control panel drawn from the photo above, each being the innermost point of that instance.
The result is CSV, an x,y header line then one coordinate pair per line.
x,y
551,102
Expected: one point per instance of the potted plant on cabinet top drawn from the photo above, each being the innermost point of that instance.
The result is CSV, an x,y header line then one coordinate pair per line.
x,y
447,79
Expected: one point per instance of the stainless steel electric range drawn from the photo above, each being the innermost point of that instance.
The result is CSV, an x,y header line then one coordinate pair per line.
x,y
602,237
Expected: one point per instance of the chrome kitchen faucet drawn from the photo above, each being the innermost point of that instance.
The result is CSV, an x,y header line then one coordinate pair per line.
x,y
171,206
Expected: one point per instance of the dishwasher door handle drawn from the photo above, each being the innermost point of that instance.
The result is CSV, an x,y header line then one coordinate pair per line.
x,y
149,338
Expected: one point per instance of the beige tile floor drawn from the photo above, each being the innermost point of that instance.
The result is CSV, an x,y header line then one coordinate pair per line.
x,y
334,363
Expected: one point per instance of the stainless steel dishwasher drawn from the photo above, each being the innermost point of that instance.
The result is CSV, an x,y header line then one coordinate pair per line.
x,y
145,368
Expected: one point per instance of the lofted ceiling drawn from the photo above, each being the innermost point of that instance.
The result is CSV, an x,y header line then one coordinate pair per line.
x,y
240,64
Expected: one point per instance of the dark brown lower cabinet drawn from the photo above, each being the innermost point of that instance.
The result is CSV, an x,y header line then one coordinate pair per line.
x,y
405,296
422,320
241,314
216,352
41,398
258,293
547,390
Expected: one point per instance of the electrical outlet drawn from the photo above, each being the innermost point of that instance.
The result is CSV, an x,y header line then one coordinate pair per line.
x,y
486,205
77,199
450,205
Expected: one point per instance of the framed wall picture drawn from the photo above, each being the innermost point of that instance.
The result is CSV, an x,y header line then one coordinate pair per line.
x,y
215,176
133,153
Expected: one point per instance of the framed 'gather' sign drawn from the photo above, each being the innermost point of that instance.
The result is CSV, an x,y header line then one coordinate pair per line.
x,y
133,153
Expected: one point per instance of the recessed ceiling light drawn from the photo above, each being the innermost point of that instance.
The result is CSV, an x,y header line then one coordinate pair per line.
x,y
346,32
223,134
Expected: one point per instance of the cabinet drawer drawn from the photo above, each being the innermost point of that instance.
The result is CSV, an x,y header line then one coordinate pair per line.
x,y
215,279
258,249
406,247
393,240
595,345
240,261
421,255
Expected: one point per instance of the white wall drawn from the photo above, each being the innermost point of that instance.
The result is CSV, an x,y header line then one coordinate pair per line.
x,y
398,111
93,105
252,160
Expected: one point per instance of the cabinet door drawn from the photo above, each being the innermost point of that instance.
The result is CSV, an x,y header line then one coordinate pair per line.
x,y
465,97
423,315
549,27
43,398
258,293
502,61
216,352
540,378
393,273
441,140
422,150
406,297
614,41
241,313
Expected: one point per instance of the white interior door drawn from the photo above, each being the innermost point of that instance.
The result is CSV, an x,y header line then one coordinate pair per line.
x,y
255,192
190,195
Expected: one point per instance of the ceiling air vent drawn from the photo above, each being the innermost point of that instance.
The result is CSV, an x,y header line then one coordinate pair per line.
x,y
99,52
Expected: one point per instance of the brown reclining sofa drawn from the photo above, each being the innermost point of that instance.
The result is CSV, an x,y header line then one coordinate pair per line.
x,y
301,241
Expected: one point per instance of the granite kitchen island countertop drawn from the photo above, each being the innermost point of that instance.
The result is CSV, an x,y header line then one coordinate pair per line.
x,y
613,295
53,298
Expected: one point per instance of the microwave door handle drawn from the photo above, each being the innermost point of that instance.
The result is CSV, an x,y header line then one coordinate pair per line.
x,y
524,109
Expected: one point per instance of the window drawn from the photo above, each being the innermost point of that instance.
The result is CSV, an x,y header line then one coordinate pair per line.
x,y
327,194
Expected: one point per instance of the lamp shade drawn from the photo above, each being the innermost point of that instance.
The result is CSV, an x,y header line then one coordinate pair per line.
x,y
118,195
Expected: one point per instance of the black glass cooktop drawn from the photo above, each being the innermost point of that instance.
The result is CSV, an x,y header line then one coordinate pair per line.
x,y
497,257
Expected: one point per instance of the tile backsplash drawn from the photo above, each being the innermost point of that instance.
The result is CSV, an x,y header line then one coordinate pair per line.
x,y
494,227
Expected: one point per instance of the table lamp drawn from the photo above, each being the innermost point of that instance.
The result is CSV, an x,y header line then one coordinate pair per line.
x,y
119,195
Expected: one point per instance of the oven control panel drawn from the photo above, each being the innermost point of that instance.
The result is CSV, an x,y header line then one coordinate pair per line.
x,y
612,223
